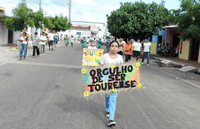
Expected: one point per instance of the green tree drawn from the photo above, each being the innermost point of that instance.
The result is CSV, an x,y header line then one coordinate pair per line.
x,y
22,17
189,20
57,23
37,19
136,20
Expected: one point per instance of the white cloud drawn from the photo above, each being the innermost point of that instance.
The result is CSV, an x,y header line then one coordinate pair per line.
x,y
84,2
57,10
8,8
107,7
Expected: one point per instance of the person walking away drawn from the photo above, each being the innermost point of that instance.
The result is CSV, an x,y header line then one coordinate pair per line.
x,y
128,49
56,39
147,49
92,46
66,40
84,42
72,41
111,58
137,48
107,45
121,46
42,42
50,39
99,43
23,45
36,44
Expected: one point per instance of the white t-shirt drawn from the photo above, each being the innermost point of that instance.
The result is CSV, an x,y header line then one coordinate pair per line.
x,y
90,47
88,40
137,46
146,47
72,39
43,38
107,60
121,47
23,42
50,35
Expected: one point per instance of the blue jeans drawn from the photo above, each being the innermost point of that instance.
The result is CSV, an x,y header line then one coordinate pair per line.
x,y
23,47
148,55
42,48
110,103
108,50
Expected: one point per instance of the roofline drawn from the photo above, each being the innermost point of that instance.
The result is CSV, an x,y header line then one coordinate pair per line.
x,y
89,22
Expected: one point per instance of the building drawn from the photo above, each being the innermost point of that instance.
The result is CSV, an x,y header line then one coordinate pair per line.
x,y
84,28
189,49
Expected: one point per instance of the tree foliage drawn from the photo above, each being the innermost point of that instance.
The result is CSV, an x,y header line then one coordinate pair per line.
x,y
22,17
189,20
137,20
57,23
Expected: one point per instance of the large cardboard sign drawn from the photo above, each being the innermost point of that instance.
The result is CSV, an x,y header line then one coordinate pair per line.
x,y
108,79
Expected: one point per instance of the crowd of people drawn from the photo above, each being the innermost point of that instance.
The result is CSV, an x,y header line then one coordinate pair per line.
x,y
129,49
114,55
38,42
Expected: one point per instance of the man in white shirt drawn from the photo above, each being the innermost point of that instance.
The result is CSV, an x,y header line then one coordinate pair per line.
x,y
42,42
50,39
121,46
147,49
136,51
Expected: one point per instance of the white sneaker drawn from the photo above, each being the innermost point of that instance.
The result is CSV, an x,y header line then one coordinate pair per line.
x,y
111,123
107,115
147,64
141,63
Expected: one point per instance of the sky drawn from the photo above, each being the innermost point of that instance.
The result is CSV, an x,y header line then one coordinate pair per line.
x,y
82,10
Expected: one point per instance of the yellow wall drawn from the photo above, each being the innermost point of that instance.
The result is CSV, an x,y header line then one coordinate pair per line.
x,y
153,47
185,50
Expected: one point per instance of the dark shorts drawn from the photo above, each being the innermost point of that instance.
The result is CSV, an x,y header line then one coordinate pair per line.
x,y
51,42
136,53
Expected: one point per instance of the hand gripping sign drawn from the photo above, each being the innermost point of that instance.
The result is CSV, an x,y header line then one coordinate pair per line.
x,y
108,79
91,57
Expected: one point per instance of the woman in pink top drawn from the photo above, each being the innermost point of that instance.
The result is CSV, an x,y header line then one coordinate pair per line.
x,y
128,48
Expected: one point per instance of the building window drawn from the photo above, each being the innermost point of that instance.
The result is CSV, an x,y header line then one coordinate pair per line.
x,y
78,33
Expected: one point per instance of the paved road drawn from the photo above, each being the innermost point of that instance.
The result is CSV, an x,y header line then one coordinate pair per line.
x,y
47,93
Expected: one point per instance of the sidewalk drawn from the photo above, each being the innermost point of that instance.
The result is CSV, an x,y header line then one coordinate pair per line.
x,y
177,60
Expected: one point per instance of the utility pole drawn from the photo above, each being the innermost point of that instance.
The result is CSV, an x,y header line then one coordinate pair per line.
x,y
70,4
40,5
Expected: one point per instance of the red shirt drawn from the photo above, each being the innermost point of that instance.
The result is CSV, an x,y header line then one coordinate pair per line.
x,y
128,48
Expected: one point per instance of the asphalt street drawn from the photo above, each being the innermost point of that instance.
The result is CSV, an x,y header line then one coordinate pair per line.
x,y
46,92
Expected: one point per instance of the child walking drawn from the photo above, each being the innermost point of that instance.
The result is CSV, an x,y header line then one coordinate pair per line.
x,y
128,48
72,41
111,58
92,45
36,45
66,40
84,42
99,43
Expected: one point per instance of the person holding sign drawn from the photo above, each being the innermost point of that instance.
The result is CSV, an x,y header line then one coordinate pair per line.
x,y
92,45
111,58
23,45
128,48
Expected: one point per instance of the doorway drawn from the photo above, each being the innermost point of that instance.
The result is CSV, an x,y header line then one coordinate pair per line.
x,y
194,50
10,36
176,41
158,42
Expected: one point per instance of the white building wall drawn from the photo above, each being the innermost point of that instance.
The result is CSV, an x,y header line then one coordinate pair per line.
x,y
3,34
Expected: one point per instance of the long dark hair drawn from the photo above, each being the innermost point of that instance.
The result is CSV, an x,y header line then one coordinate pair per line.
x,y
113,42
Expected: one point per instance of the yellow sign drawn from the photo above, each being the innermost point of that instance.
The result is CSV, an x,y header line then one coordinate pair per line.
x,y
91,57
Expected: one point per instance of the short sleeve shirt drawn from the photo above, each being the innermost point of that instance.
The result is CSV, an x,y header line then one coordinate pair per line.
x,y
106,59
137,46
146,47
